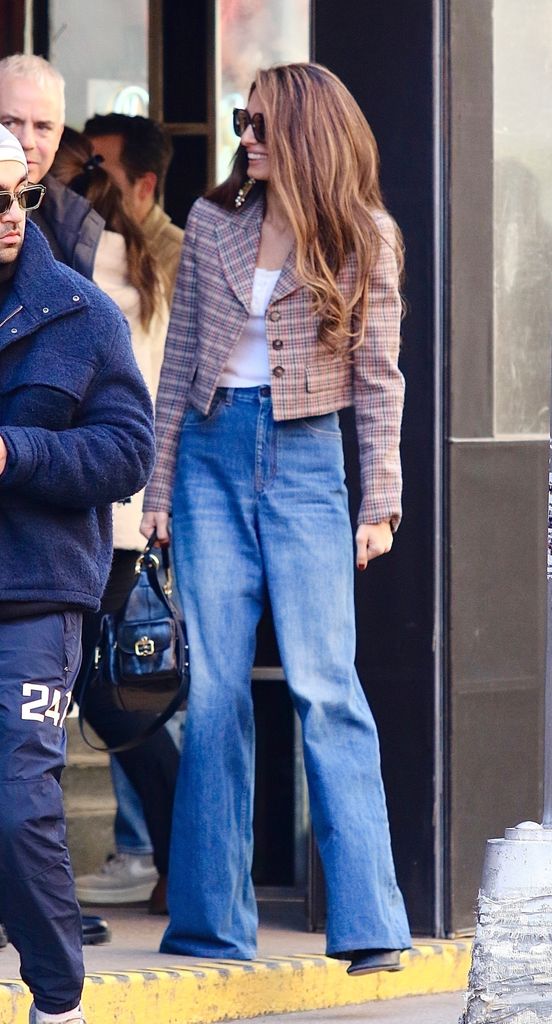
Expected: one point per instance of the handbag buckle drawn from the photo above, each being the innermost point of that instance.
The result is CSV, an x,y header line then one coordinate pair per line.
x,y
144,647
168,586
141,558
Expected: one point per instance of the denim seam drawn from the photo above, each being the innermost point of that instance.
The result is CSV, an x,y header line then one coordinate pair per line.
x,y
335,435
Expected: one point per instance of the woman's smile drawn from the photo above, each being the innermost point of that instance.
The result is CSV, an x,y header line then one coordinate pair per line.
x,y
258,165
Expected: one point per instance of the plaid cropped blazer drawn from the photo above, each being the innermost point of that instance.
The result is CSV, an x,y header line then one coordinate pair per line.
x,y
210,308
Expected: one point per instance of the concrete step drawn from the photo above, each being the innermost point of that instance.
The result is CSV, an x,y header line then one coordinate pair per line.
x,y
86,782
89,802
77,749
90,839
128,980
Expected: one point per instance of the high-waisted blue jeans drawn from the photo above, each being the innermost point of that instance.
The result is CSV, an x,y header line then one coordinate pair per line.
x,y
261,507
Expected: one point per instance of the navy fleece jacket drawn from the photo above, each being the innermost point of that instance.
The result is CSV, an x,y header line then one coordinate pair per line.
x,y
77,422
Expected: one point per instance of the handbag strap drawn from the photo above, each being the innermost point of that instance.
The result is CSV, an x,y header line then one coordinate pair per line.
x,y
149,563
150,730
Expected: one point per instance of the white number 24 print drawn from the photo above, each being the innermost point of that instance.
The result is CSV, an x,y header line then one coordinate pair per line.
x,y
46,705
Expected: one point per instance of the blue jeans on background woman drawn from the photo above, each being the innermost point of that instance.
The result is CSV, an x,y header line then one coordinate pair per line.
x,y
260,508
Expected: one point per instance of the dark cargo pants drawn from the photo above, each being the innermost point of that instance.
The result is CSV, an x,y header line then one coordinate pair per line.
x,y
39,659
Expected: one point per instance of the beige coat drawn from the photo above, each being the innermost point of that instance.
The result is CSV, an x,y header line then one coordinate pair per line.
x,y
165,242
111,275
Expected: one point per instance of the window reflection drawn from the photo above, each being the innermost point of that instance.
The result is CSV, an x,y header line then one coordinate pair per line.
x,y
252,34
102,52
522,215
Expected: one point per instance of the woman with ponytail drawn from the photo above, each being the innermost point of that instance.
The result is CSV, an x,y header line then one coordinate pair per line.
x,y
287,309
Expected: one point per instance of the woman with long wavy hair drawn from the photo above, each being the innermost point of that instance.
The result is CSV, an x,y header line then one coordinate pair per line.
x,y
287,309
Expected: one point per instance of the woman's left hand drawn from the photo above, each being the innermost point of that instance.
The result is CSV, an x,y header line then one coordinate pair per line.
x,y
372,540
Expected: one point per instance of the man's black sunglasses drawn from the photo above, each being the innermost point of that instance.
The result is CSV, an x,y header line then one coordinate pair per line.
x,y
242,120
28,198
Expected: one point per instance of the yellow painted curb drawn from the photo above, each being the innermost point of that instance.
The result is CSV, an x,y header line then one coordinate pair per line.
x,y
209,991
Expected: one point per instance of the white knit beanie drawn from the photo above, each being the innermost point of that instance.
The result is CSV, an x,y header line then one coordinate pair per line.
x,y
10,147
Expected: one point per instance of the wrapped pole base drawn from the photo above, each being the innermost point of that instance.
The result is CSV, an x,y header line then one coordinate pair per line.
x,y
511,973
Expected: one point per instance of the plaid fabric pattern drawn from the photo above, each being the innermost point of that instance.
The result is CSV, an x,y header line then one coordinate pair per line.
x,y
210,309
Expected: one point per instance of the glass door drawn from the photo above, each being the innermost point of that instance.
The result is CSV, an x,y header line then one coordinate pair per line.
x,y
103,56
252,34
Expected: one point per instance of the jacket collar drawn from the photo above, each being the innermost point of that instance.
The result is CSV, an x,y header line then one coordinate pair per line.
x,y
42,289
73,223
238,237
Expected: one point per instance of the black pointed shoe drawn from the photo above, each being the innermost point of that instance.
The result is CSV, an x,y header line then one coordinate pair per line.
x,y
368,961
95,931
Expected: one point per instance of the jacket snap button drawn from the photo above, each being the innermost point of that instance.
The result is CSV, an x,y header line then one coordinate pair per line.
x,y
278,371
76,298
45,309
278,343
14,330
275,315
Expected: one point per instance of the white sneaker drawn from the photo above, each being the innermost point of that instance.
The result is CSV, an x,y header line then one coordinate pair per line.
x,y
124,878
36,1017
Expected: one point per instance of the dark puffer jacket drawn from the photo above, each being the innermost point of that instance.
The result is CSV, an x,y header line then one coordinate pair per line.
x,y
70,224
76,418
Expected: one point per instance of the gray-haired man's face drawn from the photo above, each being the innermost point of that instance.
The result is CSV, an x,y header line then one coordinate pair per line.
x,y
33,114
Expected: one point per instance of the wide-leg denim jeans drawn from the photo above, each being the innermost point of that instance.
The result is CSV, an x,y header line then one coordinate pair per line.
x,y
261,507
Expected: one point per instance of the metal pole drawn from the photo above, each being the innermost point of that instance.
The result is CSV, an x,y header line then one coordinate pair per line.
x,y
547,815
439,191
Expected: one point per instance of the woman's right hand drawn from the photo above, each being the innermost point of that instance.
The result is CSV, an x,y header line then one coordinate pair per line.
x,y
156,521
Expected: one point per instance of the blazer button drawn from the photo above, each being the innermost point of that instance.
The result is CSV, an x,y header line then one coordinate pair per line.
x,y
278,371
274,316
278,343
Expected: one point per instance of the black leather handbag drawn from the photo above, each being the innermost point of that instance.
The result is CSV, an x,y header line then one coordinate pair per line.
x,y
142,652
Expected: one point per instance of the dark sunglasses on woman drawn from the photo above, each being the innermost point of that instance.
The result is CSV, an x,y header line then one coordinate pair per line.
x,y
242,120
28,198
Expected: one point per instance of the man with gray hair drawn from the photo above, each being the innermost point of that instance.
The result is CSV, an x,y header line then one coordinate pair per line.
x,y
32,107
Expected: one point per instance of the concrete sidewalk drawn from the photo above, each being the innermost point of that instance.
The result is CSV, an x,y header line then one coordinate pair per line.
x,y
441,1008
129,982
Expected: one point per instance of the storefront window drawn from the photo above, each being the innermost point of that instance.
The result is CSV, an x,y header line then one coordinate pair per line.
x,y
252,34
522,214
102,52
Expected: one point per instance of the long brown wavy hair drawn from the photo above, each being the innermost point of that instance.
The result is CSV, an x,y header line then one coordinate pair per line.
x,y
324,170
76,167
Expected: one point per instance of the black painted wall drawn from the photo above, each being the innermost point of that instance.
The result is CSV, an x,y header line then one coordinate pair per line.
x,y
12,20
383,53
